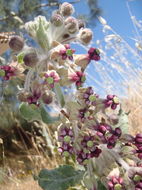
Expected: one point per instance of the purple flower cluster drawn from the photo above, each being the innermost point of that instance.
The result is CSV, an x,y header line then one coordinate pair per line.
x,y
66,138
82,115
6,72
89,96
67,52
33,99
51,78
111,101
137,180
115,183
89,149
138,144
37,94
108,135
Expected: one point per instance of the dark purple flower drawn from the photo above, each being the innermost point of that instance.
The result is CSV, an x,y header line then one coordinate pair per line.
x,y
111,101
6,72
33,99
94,54
90,97
50,78
138,143
67,52
78,77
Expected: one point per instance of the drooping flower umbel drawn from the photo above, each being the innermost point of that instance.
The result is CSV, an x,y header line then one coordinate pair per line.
x,y
86,131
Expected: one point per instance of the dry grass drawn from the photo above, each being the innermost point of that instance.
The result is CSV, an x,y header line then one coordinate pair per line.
x,y
27,184
18,170
133,103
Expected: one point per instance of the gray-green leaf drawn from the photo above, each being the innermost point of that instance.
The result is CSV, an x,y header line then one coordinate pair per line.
x,y
41,35
47,118
101,186
30,112
59,94
123,122
60,178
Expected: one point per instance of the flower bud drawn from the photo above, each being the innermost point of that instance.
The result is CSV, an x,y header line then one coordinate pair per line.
x,y
85,36
56,20
81,24
47,97
16,43
82,60
66,9
114,119
30,59
22,96
71,25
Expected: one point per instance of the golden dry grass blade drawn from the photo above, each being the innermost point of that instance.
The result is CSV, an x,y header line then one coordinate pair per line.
x,y
3,47
4,41
28,184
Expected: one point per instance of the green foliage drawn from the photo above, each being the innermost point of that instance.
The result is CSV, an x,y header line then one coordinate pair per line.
x,y
60,178
29,113
20,58
41,33
59,94
34,113
46,118
123,122
101,186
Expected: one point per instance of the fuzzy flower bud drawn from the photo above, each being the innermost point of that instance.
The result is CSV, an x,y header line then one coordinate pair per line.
x,y
16,43
56,20
71,25
30,59
85,36
22,96
81,24
66,9
47,97
82,60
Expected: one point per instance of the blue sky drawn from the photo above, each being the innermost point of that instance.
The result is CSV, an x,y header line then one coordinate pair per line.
x,y
117,16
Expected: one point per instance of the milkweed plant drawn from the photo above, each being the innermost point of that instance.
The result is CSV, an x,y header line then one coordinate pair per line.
x,y
90,133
